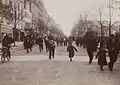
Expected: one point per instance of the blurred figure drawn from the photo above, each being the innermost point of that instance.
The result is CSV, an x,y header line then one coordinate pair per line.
x,y
27,44
77,41
71,49
91,47
64,41
31,42
11,38
113,46
101,55
46,44
57,41
6,42
51,47
39,42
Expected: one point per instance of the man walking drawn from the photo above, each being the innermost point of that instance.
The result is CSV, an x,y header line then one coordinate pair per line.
x,y
113,46
27,44
39,42
51,47
46,43
91,47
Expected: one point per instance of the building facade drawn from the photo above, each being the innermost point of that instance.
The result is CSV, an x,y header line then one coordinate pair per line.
x,y
20,17
5,17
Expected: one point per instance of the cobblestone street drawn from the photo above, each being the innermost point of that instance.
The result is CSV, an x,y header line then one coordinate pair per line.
x,y
31,69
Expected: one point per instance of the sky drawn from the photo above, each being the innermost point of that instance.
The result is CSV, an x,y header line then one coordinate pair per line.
x,y
67,12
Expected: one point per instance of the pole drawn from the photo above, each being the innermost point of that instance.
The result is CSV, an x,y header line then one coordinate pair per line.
x,y
1,33
109,17
101,21
15,17
101,24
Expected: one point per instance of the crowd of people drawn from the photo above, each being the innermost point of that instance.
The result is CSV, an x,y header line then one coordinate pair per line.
x,y
102,45
111,45
48,41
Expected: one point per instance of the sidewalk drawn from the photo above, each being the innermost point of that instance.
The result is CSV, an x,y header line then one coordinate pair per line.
x,y
17,46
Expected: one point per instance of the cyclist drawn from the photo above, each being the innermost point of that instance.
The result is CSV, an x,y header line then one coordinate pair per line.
x,y
6,42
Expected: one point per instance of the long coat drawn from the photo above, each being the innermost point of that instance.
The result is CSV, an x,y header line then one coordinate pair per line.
x,y
51,45
113,48
91,43
101,55
39,41
6,41
26,43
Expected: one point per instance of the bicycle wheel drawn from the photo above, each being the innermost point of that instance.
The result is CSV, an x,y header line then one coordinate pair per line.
x,y
8,56
2,58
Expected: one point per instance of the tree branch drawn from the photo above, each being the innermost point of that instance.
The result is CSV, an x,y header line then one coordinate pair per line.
x,y
114,23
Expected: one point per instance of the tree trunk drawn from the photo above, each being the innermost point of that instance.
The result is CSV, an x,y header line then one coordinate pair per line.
x,y
14,34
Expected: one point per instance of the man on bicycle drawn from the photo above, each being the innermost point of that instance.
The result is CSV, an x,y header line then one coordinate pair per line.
x,y
6,42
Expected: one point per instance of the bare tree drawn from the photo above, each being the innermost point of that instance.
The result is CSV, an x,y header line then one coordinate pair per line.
x,y
17,17
111,25
80,27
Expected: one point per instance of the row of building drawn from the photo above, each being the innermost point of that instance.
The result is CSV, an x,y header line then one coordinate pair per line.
x,y
23,16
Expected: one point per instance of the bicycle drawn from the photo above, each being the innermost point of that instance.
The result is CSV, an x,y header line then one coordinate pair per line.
x,y
5,54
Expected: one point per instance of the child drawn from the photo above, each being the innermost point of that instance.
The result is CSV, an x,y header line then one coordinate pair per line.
x,y
101,55
71,49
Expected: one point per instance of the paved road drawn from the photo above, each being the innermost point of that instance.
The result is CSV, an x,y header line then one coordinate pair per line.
x,y
61,51
36,69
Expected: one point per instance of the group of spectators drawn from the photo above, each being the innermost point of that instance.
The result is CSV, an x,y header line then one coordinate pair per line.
x,y
109,44
48,41
62,41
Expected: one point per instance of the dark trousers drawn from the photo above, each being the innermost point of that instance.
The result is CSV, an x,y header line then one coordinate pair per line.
x,y
71,54
40,48
46,48
9,53
51,52
113,59
27,49
90,54
65,43
57,43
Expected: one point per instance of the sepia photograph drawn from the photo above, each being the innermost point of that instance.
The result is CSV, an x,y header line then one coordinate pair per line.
x,y
59,42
